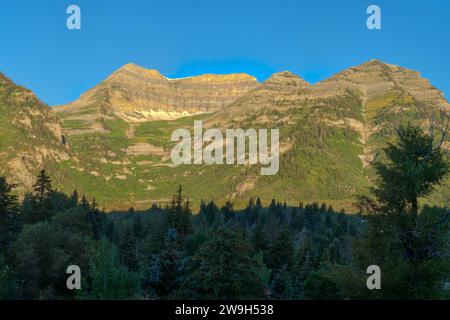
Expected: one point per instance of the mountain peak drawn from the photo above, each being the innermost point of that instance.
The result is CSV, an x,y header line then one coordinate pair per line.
x,y
131,68
285,79
375,62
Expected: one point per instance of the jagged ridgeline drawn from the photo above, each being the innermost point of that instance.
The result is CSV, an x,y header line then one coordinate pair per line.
x,y
117,135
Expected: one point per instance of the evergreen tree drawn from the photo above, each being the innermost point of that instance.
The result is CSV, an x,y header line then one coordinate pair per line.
x,y
259,238
228,211
223,269
42,187
40,207
9,287
128,248
10,222
282,251
302,268
74,198
281,286
179,216
167,269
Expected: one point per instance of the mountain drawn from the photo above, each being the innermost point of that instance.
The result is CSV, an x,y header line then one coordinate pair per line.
x,y
118,133
136,94
332,130
31,136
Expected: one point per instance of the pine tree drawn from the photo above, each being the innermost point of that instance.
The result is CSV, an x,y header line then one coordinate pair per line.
x,y
179,216
84,203
282,284
166,270
74,198
302,268
228,211
10,222
282,251
128,249
43,187
250,213
40,205
259,238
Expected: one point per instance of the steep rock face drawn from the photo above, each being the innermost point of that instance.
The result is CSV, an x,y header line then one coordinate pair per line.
x,y
137,94
30,134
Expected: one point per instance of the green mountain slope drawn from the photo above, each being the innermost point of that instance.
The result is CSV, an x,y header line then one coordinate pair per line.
x,y
118,134
30,136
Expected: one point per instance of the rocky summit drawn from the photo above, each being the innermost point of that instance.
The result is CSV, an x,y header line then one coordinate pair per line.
x,y
114,142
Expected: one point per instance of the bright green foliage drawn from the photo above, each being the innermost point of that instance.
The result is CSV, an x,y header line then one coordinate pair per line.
x,y
108,278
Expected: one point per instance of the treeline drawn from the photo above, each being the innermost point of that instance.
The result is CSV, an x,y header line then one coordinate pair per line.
x,y
262,252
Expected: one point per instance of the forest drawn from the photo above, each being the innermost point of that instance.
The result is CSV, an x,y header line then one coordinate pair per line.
x,y
269,250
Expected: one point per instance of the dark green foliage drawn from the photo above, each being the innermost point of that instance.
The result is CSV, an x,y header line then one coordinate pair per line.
x,y
44,250
179,216
166,270
255,253
228,212
39,205
281,287
319,287
9,287
415,166
408,243
279,252
10,222
224,268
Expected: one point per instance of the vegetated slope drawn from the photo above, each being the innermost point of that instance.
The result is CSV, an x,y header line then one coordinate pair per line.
x,y
30,136
119,132
329,132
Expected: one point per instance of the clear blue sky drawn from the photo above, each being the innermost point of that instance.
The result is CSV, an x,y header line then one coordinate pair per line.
x,y
312,38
